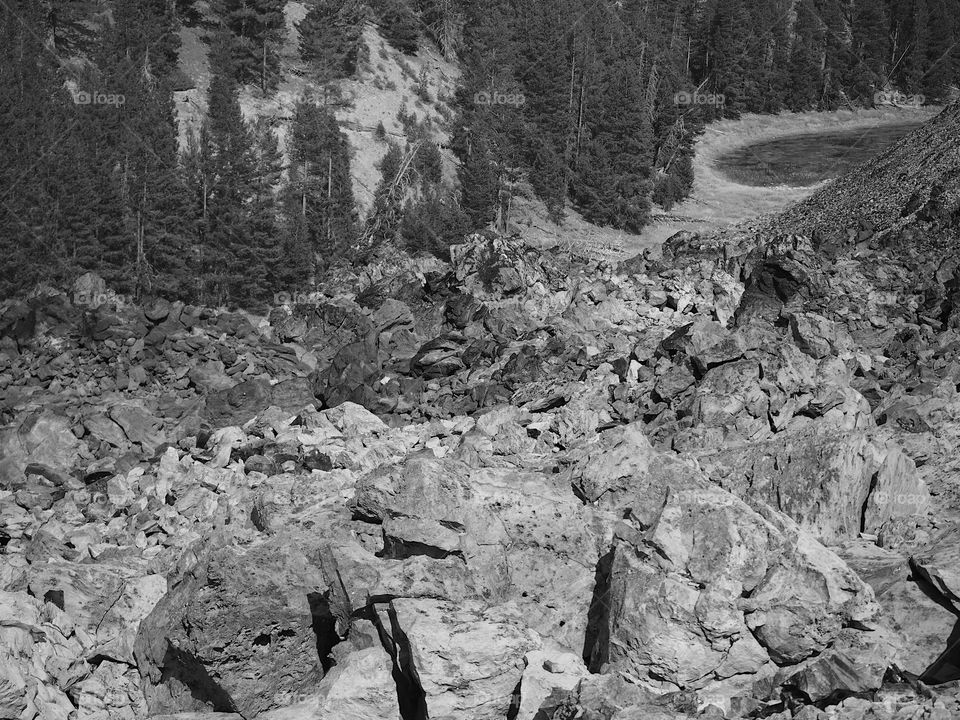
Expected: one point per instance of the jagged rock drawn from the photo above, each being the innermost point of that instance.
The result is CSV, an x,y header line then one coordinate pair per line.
x,y
44,438
924,618
235,634
484,263
39,658
823,479
702,344
478,680
438,358
698,584
507,534
938,562
609,697
361,688
108,600
545,673
139,426
111,692
90,290
157,310
819,337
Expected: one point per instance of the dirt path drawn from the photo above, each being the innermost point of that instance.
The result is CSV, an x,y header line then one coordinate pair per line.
x,y
717,201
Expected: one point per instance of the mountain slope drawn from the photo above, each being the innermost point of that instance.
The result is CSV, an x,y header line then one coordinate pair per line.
x,y
918,179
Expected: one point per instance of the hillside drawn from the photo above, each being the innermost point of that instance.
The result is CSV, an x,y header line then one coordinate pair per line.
x,y
385,83
910,185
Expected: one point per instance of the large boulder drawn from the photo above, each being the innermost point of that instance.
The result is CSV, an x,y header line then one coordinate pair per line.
x,y
701,591
238,632
834,484
522,537
459,660
108,600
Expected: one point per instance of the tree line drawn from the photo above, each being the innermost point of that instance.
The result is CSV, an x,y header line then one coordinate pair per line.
x,y
615,93
593,106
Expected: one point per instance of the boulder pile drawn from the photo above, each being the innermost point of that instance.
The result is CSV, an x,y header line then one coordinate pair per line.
x,y
518,485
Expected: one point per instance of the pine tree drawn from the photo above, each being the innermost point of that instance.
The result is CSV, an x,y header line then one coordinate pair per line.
x,y
870,49
258,29
804,72
37,116
479,183
264,230
914,24
387,211
232,268
399,24
147,32
319,205
545,59
445,22
943,55
330,36
610,182
138,137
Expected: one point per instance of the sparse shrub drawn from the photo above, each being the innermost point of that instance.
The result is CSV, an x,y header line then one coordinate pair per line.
x,y
423,87
406,69
408,120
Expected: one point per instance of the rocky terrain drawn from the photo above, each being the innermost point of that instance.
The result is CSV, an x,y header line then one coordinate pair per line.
x,y
521,484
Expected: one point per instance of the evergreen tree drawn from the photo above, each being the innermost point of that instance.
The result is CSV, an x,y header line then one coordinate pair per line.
x,y
330,36
319,204
870,49
479,184
546,57
942,54
264,226
137,138
399,24
223,163
147,32
258,29
434,223
610,185
804,73
445,22
37,150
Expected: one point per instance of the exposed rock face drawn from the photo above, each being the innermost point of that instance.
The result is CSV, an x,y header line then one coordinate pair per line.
x,y
835,484
236,624
520,484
